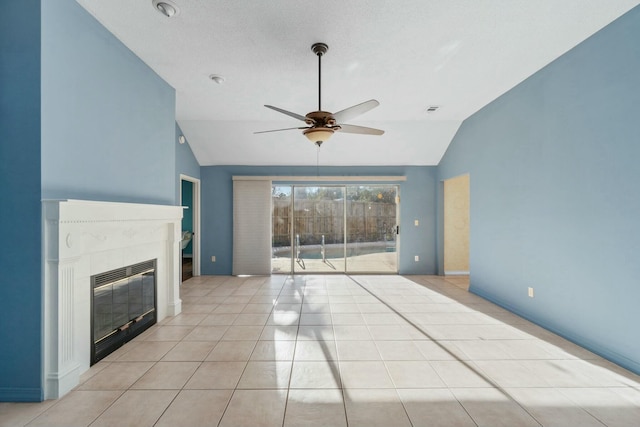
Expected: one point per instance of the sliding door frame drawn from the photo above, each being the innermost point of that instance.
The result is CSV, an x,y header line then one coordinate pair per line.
x,y
293,231
336,180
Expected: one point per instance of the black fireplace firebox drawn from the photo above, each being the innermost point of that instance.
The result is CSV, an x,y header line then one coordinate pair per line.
x,y
123,306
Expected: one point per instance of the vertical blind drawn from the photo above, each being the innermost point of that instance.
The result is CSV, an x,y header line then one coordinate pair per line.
x,y
251,227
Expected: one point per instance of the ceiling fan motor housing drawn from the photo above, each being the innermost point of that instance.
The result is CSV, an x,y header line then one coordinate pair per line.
x,y
320,119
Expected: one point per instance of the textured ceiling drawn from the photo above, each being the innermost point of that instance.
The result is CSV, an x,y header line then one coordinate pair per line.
x,y
458,54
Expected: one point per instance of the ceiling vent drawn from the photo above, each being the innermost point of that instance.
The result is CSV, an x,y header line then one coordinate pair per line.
x,y
432,109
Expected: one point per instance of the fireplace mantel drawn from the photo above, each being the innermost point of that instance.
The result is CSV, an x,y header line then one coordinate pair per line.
x,y
84,238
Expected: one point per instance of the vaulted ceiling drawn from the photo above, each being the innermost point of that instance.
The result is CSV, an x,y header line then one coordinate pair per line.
x,y
409,55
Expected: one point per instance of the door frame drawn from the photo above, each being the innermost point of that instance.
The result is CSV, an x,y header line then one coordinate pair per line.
x,y
344,185
195,242
445,198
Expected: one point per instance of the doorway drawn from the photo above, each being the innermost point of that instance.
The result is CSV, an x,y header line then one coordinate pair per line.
x,y
190,233
456,226
335,229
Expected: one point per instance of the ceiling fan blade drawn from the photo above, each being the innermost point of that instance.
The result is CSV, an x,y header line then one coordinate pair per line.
x,y
288,113
278,130
363,130
352,112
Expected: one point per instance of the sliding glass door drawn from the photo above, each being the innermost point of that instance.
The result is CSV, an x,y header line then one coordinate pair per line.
x,y
371,229
281,217
334,229
318,228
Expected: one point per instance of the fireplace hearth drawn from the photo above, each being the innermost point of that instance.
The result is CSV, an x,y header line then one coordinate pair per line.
x,y
123,306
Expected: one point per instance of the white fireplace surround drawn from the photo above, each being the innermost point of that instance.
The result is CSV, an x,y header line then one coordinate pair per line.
x,y
84,238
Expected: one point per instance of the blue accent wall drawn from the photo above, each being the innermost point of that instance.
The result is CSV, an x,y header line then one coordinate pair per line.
x,y
81,117
555,204
418,201
108,123
20,212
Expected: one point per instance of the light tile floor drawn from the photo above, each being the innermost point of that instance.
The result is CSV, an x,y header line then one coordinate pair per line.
x,y
336,351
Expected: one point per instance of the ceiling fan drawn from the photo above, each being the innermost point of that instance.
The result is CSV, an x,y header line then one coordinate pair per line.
x,y
321,125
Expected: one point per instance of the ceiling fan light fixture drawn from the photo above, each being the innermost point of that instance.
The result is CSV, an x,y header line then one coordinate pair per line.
x,y
318,134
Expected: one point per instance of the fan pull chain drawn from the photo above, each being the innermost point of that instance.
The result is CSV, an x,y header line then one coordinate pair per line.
x,y
318,161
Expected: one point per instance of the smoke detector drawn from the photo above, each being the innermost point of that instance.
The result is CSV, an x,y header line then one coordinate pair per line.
x,y
217,78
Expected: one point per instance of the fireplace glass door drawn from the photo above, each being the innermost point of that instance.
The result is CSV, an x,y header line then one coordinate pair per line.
x,y
123,306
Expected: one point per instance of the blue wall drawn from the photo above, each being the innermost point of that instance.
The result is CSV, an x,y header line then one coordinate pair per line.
x,y
20,213
108,122
554,176
418,201
81,117
186,162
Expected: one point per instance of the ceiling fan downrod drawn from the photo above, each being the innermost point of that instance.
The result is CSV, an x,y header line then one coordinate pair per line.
x,y
319,49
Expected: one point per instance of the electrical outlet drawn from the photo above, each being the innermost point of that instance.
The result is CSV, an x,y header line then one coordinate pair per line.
x,y
416,258
213,258
416,223
530,292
